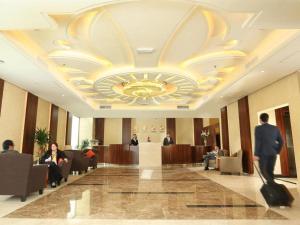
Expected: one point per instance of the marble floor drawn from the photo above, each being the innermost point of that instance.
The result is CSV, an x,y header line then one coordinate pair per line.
x,y
171,195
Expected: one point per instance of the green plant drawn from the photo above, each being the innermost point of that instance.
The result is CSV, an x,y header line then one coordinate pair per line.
x,y
42,138
84,144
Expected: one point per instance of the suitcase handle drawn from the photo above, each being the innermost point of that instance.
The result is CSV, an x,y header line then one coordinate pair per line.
x,y
261,177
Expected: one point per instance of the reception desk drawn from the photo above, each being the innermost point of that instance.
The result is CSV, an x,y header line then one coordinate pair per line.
x,y
118,154
150,154
199,151
176,154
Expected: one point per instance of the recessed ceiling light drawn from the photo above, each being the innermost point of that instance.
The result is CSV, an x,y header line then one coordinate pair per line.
x,y
262,71
1,61
63,95
221,96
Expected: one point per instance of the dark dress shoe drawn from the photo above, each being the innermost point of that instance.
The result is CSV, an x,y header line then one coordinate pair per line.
x,y
206,168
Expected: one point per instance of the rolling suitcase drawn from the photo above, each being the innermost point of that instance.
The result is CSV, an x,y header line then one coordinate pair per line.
x,y
275,194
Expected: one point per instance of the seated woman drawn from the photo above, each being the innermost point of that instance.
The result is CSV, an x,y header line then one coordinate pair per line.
x,y
53,158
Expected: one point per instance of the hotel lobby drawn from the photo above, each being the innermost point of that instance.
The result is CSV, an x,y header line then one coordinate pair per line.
x,y
147,111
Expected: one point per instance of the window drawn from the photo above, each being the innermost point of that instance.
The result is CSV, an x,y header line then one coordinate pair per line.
x,y
75,132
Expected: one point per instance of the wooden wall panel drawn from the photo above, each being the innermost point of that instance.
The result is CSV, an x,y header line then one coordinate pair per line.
x,y
99,130
284,161
126,130
1,93
225,132
198,127
245,134
30,123
171,128
53,122
68,129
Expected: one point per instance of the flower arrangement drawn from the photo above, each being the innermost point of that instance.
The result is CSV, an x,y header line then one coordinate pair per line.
x,y
204,135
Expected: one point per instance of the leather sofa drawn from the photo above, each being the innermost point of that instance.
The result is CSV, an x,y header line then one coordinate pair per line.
x,y
20,177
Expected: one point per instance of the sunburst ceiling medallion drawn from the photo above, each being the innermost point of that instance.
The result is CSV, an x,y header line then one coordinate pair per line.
x,y
145,88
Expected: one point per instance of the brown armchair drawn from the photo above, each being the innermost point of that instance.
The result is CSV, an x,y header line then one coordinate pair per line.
x,y
65,167
19,177
93,161
80,162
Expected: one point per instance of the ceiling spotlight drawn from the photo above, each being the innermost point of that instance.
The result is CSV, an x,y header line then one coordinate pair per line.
x,y
63,95
1,61
262,71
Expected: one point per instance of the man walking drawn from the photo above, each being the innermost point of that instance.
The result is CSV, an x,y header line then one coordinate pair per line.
x,y
268,143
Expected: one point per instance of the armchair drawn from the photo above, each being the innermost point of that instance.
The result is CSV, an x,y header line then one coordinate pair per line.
x,y
232,164
80,162
65,167
20,177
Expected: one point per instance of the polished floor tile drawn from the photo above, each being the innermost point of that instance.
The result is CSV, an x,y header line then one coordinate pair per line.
x,y
172,193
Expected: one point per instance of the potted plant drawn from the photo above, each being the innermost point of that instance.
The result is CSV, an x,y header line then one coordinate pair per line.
x,y
204,135
84,144
42,138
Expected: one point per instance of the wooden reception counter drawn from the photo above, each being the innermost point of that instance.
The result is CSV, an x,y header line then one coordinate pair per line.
x,y
149,155
118,154
176,154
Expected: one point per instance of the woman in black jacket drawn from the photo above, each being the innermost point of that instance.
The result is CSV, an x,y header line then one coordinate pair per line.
x,y
54,157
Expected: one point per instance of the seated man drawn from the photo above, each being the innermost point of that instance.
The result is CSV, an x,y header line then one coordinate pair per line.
x,y
8,147
134,141
210,155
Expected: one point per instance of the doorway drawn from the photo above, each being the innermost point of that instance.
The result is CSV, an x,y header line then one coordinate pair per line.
x,y
287,154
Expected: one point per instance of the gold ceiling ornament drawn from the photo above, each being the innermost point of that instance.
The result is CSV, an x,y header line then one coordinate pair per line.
x,y
146,88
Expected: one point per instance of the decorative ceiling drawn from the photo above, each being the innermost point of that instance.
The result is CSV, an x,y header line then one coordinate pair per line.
x,y
143,54
150,54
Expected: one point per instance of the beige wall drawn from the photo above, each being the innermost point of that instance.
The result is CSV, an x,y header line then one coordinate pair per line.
x,y
280,93
61,128
185,131
85,129
143,128
233,127
43,117
13,114
112,131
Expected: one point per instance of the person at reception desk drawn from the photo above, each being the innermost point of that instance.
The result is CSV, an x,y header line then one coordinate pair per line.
x,y
168,140
134,140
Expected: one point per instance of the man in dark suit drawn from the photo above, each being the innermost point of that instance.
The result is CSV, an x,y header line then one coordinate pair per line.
x,y
134,141
168,140
8,147
268,143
